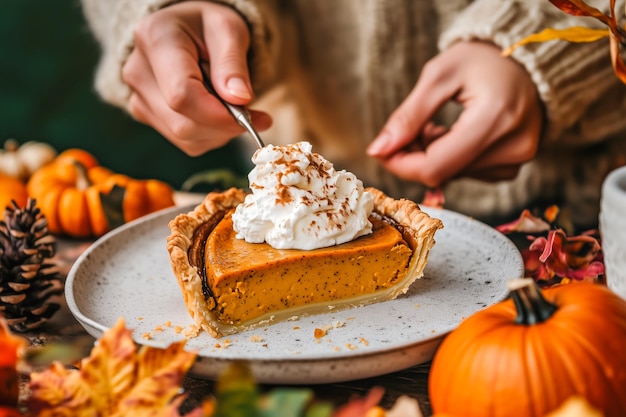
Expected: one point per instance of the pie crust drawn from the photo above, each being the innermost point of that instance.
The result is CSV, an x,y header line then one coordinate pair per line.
x,y
189,240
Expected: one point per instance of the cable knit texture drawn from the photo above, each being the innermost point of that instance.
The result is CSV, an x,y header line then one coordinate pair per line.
x,y
339,68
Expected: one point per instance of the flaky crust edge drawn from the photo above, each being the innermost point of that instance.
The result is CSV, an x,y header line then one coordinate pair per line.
x,y
179,241
421,226
418,224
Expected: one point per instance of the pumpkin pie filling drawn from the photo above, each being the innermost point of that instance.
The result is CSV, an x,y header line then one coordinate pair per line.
x,y
230,285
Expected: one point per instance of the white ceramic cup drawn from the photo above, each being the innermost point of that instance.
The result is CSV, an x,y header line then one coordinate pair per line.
x,y
612,223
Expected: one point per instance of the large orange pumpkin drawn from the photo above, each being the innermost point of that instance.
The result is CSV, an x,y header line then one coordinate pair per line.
x,y
527,355
81,198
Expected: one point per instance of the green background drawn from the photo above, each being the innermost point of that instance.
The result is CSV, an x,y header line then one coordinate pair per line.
x,y
47,64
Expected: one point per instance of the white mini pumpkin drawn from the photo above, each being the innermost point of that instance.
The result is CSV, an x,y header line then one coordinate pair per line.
x,y
21,161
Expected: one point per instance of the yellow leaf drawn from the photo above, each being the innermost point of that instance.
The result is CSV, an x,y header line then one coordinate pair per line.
x,y
115,380
109,370
58,392
158,379
572,34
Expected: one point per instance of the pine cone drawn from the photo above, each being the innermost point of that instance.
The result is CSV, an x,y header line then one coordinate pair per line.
x,y
27,280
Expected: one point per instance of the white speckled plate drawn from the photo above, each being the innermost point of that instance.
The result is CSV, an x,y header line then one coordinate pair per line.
x,y
127,274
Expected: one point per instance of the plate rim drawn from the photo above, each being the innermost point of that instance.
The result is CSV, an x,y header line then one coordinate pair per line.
x,y
92,325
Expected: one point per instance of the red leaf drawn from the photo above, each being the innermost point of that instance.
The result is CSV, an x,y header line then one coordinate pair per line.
x,y
433,198
580,8
358,407
547,250
526,223
559,257
616,59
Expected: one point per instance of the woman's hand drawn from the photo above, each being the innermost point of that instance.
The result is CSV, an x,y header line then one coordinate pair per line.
x,y
496,133
164,75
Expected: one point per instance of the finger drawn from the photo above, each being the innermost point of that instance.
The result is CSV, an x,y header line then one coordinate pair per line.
x,y
142,111
516,148
227,43
434,87
192,139
481,140
260,120
137,107
141,79
450,153
500,161
147,105
170,50
518,145
430,133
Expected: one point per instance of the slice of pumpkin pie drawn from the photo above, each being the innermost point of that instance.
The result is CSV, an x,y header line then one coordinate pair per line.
x,y
307,239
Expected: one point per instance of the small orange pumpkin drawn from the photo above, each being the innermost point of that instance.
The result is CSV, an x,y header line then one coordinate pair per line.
x,y
72,155
11,189
80,198
527,355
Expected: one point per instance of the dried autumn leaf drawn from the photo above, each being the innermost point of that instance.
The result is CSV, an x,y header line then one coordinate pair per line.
x,y
357,407
557,257
580,8
433,198
614,31
551,213
553,257
616,59
526,223
115,380
577,34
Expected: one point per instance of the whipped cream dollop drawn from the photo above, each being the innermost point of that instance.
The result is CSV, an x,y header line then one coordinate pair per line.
x,y
299,201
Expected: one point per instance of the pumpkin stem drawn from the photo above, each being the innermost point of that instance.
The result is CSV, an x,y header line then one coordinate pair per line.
x,y
11,145
531,307
82,182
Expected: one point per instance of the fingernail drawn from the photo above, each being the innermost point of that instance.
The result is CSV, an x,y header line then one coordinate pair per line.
x,y
378,144
238,88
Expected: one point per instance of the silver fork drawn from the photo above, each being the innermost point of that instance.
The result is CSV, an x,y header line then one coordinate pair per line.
x,y
239,113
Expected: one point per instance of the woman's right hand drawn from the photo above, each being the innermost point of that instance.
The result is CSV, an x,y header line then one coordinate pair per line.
x,y
164,75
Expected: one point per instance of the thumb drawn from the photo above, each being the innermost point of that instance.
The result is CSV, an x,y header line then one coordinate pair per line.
x,y
397,133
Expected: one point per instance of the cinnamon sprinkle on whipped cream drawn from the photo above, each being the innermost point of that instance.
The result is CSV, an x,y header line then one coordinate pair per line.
x,y
299,201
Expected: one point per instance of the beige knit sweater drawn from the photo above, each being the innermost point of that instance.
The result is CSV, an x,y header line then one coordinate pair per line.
x,y
332,71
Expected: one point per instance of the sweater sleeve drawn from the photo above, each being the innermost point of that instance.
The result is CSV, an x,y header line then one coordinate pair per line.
x,y
112,23
584,100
